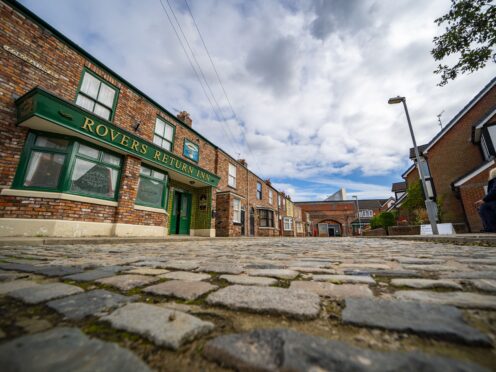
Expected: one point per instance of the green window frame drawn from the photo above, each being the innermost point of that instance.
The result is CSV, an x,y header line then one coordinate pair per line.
x,y
94,95
163,134
77,155
152,178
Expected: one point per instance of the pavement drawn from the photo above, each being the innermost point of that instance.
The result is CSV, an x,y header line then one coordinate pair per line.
x,y
273,304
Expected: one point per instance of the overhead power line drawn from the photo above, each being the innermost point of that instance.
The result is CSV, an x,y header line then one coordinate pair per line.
x,y
203,82
218,76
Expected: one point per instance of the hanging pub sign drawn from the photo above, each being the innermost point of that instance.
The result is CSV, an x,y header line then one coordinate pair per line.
x,y
191,151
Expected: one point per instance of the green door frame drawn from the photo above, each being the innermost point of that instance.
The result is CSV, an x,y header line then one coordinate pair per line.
x,y
184,222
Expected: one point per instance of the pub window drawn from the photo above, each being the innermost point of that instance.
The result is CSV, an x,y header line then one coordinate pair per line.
x,y
164,134
56,163
97,96
232,175
270,197
259,191
236,210
288,223
266,218
152,188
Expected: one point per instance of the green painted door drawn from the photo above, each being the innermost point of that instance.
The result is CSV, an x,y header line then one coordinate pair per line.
x,y
184,214
181,213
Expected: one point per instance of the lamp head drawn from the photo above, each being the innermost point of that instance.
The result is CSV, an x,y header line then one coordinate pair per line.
x,y
395,100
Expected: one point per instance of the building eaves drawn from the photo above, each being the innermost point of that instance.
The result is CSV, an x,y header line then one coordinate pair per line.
x,y
398,186
460,114
412,167
421,149
474,172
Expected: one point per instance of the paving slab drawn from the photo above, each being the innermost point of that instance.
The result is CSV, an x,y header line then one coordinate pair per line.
x,y
186,275
426,283
274,273
164,327
286,350
127,282
336,291
44,292
98,273
181,265
220,267
147,271
33,325
186,290
312,270
94,302
459,299
153,264
67,349
294,303
437,321
386,273
59,270
419,261
28,268
6,276
264,266
471,275
15,285
487,285
359,279
249,280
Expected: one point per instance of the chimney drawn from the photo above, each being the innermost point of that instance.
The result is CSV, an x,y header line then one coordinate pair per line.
x,y
184,116
242,162
267,181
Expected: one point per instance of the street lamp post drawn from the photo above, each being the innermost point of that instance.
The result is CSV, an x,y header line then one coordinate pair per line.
x,y
430,205
358,212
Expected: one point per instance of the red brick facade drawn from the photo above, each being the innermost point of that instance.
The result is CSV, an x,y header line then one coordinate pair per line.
x,y
32,57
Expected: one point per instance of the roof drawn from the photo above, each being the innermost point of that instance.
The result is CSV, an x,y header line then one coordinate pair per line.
x,y
474,172
399,202
405,173
398,186
460,114
421,149
362,203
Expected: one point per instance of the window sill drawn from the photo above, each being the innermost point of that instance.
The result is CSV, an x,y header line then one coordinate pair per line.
x,y
150,209
267,228
58,195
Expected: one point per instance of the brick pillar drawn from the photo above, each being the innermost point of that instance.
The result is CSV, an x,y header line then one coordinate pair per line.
x,y
127,190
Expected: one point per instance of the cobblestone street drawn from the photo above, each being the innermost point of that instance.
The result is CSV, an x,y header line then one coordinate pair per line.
x,y
249,304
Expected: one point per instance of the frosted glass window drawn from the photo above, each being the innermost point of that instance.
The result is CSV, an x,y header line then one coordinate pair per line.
x,y
96,96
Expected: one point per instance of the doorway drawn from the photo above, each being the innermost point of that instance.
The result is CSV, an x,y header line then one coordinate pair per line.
x,y
332,232
181,213
242,221
252,221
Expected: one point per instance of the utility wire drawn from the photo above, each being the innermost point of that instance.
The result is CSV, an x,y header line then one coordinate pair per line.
x,y
191,63
217,74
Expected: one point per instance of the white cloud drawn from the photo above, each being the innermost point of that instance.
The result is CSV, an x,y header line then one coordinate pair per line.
x,y
308,80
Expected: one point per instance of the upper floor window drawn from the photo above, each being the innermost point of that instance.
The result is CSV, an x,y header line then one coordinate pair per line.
x,y
231,179
279,200
97,96
366,213
236,210
270,197
259,191
152,188
164,134
55,163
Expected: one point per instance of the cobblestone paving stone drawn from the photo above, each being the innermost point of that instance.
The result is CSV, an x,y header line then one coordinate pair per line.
x,y
425,306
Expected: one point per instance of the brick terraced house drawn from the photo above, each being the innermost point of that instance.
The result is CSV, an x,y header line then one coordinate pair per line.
x,y
85,153
458,159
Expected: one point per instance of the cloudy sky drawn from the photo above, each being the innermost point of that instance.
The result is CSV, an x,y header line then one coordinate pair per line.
x,y
308,81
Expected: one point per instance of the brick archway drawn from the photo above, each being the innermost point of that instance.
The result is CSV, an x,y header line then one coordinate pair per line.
x,y
335,227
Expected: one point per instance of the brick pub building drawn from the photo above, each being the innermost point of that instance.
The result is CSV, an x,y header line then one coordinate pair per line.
x,y
85,153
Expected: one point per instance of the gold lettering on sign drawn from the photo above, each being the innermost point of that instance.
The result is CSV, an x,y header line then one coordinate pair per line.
x,y
114,134
134,145
88,125
125,140
99,132
31,61
144,148
157,155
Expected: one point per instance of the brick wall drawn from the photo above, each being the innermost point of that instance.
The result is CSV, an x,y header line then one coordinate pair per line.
x,y
18,77
454,155
341,212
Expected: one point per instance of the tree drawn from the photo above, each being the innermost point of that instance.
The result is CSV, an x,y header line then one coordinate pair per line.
x,y
471,32
415,197
383,219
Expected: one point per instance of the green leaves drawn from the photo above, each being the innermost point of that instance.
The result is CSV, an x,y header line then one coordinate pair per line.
x,y
471,33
